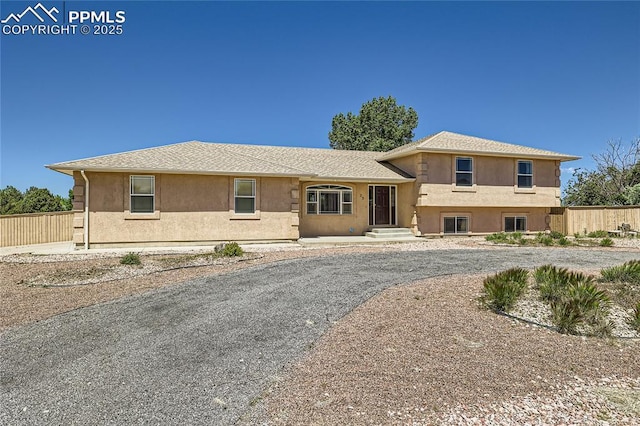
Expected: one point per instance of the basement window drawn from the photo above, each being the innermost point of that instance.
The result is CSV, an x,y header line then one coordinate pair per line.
x,y
456,224
515,224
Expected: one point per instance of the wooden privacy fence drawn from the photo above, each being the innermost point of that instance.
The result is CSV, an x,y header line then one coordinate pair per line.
x,y
35,228
571,220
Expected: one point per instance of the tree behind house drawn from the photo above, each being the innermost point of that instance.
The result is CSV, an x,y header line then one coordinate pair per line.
x,y
33,200
616,180
382,125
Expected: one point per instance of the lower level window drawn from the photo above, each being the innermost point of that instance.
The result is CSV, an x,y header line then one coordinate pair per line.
x,y
329,199
515,224
456,224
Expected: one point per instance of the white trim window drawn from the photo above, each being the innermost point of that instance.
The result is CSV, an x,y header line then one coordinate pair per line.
x,y
244,196
329,199
525,174
142,194
515,224
456,224
464,171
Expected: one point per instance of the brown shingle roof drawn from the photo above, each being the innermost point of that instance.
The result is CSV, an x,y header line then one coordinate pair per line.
x,y
259,160
457,143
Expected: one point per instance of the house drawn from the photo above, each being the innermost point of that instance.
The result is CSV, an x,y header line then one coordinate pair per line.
x,y
196,192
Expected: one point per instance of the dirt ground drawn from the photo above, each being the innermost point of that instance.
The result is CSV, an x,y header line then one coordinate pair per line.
x,y
426,354
417,354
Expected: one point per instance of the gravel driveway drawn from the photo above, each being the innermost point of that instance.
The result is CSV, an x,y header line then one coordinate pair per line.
x,y
202,352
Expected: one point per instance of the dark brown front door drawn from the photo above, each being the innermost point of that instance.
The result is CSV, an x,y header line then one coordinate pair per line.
x,y
382,205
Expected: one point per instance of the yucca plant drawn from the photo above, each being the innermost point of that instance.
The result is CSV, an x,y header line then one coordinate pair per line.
x,y
628,272
551,281
598,234
497,237
546,273
606,242
581,303
501,291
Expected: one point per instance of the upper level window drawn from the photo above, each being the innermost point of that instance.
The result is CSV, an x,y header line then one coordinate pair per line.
x,y
525,174
245,196
464,171
143,194
329,199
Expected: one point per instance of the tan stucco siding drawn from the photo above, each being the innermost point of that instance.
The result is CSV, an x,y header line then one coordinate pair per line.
x,y
408,164
481,220
494,183
487,196
191,208
357,223
490,171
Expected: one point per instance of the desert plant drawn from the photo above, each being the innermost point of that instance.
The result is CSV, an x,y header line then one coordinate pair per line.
x,y
497,237
502,290
544,239
553,283
130,259
231,250
581,303
556,235
563,241
544,273
628,272
598,234
606,242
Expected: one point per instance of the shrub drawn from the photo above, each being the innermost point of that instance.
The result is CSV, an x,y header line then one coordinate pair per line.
x,y
544,273
544,239
556,235
231,250
635,317
581,303
564,241
628,272
598,234
553,282
501,291
606,242
574,299
130,259
498,237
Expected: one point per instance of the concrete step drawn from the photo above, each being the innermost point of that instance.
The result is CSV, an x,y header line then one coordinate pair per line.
x,y
390,233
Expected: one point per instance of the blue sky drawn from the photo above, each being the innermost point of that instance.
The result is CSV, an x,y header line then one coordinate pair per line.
x,y
560,76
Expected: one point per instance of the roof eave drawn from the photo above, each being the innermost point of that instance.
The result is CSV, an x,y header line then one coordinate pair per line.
x,y
358,179
559,157
70,170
